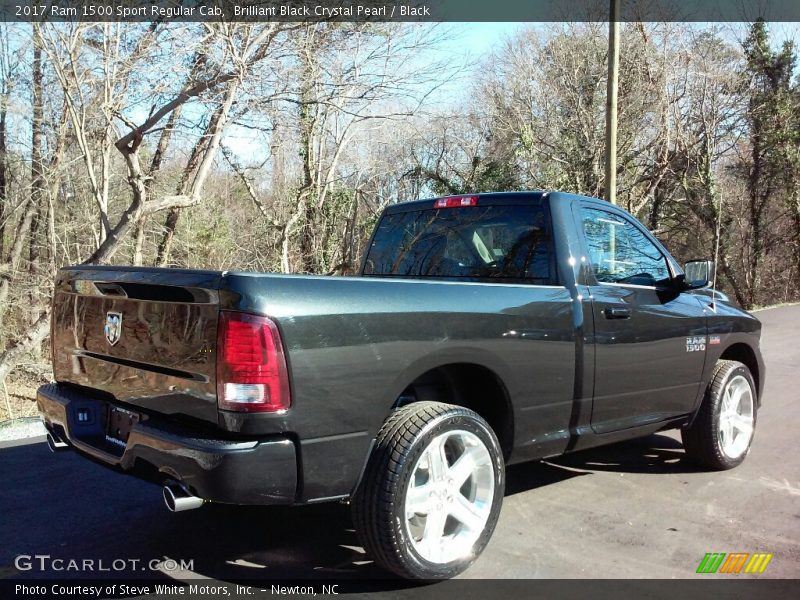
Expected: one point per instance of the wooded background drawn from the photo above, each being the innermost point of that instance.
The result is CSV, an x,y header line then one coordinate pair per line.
x,y
123,143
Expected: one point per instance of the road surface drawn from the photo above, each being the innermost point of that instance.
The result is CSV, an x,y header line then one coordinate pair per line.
x,y
635,509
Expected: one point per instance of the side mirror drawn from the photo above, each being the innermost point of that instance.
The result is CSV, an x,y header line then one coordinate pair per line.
x,y
700,273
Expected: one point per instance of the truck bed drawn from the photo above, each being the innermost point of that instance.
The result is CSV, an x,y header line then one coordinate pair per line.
x,y
352,345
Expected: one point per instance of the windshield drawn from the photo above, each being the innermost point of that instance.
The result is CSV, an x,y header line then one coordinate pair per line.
x,y
477,242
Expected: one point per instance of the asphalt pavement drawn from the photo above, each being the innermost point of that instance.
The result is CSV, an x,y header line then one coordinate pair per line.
x,y
631,510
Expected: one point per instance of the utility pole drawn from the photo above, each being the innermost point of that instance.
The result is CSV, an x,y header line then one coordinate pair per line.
x,y
611,103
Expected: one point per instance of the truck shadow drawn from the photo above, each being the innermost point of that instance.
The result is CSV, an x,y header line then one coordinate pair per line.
x,y
71,508
656,454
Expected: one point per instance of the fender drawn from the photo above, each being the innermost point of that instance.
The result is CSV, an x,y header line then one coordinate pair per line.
x,y
728,348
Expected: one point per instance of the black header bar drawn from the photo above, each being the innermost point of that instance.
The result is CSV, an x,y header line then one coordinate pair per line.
x,y
396,10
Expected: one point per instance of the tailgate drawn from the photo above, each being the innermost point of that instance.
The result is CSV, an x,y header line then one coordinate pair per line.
x,y
145,336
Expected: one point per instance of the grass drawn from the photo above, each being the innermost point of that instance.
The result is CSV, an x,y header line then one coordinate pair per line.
x,y
781,305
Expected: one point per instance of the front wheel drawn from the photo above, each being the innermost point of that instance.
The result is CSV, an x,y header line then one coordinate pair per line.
x,y
721,434
432,491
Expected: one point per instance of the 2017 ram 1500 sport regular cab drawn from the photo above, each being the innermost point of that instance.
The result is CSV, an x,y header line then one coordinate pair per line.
x,y
483,330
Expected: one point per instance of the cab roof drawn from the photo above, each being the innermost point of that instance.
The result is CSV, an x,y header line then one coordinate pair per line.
x,y
497,198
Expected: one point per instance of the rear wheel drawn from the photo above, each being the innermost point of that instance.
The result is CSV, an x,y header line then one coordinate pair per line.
x,y
721,434
432,491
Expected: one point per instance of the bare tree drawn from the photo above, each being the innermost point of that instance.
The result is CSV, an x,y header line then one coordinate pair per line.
x,y
110,139
9,65
63,47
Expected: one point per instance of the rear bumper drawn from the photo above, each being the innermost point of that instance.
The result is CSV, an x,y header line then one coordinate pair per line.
x,y
260,471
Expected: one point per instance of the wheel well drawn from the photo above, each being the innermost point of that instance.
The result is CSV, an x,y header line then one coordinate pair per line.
x,y
744,354
471,386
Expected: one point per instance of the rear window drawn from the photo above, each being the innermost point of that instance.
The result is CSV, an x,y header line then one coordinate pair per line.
x,y
483,243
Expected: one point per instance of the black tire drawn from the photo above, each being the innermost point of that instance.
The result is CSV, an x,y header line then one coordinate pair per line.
x,y
702,440
379,503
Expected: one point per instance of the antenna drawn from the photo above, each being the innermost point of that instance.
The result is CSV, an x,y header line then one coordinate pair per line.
x,y
716,255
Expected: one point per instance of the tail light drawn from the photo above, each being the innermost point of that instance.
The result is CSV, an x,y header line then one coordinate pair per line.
x,y
456,202
251,367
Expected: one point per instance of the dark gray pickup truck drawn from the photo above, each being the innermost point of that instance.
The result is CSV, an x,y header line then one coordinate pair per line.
x,y
483,330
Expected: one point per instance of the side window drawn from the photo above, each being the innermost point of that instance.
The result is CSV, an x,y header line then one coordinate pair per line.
x,y
620,252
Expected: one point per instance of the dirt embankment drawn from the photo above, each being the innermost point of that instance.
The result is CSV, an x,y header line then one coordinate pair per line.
x,y
19,393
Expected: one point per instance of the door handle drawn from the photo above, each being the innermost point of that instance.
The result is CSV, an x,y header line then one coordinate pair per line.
x,y
617,313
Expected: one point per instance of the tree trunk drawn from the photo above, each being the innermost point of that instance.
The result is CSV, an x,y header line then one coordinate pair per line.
x,y
155,167
655,211
307,123
37,180
51,238
165,246
3,170
197,168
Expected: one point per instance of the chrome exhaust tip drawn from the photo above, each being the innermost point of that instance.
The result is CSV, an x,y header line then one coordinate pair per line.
x,y
177,499
55,444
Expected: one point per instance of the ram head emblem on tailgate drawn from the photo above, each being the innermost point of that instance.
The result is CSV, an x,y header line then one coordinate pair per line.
x,y
113,328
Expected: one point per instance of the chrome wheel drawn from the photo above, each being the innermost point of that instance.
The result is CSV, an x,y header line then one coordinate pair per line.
x,y
449,496
736,417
